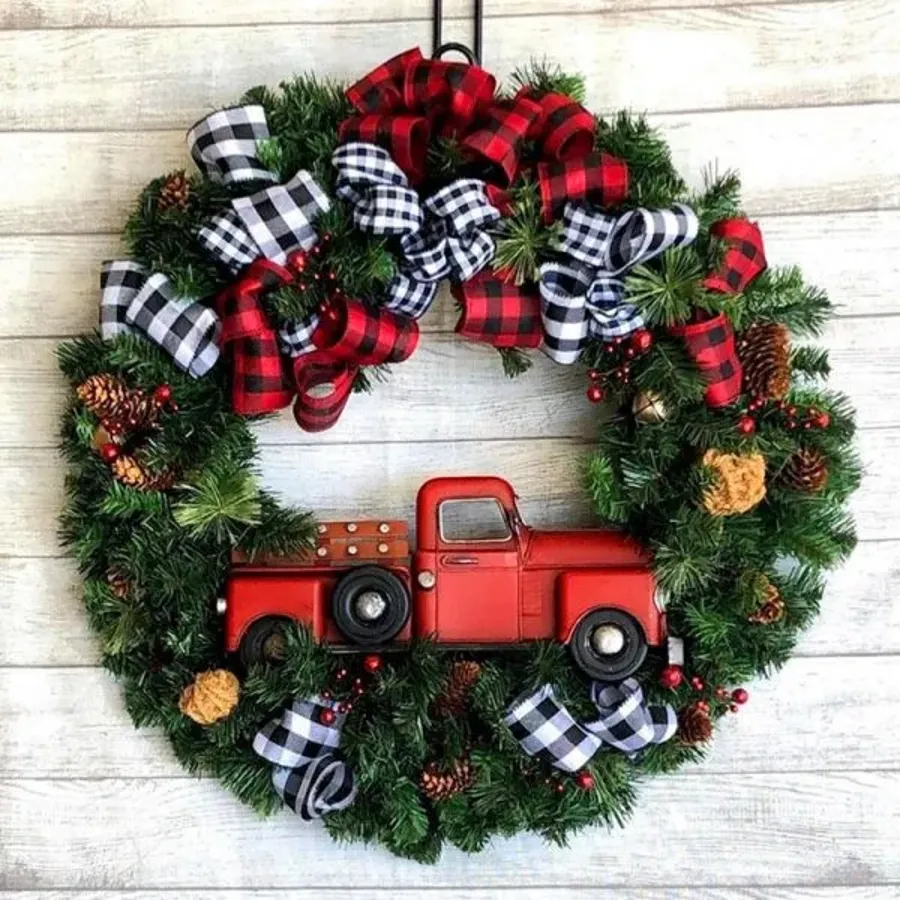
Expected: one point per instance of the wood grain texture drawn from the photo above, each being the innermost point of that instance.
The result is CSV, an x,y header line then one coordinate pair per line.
x,y
328,478
840,52
776,821
44,624
799,892
74,724
850,255
46,14
778,152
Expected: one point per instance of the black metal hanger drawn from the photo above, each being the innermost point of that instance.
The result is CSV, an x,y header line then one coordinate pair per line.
x,y
439,48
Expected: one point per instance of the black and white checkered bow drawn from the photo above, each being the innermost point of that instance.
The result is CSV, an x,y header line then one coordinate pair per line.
x,y
586,297
440,237
133,300
309,774
225,144
545,729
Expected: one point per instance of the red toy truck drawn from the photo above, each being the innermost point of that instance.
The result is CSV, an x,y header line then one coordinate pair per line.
x,y
480,578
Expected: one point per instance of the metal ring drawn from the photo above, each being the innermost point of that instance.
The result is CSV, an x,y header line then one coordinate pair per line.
x,y
452,46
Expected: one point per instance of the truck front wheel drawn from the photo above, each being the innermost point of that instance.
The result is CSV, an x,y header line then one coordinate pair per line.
x,y
263,642
608,645
370,605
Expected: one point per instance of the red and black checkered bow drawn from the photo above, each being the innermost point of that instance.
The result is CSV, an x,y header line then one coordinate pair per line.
x,y
349,335
259,383
499,313
405,100
744,258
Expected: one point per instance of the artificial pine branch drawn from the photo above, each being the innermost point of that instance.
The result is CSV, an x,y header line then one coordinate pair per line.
x,y
544,77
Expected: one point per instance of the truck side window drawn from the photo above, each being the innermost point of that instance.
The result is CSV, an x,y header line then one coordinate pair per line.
x,y
475,519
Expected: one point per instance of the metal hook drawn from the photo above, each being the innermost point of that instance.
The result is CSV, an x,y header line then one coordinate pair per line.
x,y
439,48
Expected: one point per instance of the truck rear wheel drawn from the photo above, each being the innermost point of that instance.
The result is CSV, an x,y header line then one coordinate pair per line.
x,y
608,645
263,642
370,605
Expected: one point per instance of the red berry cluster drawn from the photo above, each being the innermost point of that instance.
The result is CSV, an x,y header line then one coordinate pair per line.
x,y
311,269
790,417
351,690
671,677
620,352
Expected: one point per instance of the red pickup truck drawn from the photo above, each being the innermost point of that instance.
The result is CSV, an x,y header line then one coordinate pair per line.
x,y
479,578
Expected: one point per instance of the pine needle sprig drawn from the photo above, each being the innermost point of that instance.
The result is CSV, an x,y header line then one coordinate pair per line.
x,y
544,77
522,240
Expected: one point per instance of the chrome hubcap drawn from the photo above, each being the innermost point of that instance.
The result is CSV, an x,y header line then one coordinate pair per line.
x,y
607,640
370,605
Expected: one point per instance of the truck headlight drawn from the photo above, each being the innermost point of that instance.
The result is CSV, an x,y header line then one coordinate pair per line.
x,y
426,579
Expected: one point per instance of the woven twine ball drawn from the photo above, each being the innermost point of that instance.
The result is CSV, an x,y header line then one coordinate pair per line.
x,y
212,696
740,482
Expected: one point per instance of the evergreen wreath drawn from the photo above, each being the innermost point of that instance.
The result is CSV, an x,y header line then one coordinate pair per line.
x,y
725,457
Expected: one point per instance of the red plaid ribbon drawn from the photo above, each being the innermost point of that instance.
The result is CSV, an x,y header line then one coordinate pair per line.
x,y
259,383
349,335
711,346
498,313
401,102
598,178
744,259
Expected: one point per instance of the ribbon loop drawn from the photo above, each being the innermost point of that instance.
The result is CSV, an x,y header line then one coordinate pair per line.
x,y
545,729
259,383
498,313
309,775
564,127
711,345
744,259
133,300
599,179
224,145
499,140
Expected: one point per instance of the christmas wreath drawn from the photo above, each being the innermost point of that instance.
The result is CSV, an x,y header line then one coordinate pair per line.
x,y
292,267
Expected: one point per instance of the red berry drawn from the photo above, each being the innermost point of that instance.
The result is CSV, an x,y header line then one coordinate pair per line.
x,y
697,683
327,717
358,690
345,707
595,393
641,341
823,420
341,675
109,452
734,707
617,341
721,693
671,677
740,696
372,663
560,787
703,706
630,352
792,411
584,780
746,425
791,425
162,395
609,348
326,695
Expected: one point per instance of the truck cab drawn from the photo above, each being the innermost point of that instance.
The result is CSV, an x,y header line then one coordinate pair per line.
x,y
479,578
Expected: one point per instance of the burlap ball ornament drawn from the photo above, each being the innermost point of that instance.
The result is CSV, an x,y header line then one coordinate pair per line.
x,y
212,696
740,482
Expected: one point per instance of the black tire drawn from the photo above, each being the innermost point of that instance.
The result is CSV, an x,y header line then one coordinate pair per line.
x,y
369,632
613,666
261,641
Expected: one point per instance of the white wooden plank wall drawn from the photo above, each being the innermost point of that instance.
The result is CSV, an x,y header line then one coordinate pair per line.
x,y
800,799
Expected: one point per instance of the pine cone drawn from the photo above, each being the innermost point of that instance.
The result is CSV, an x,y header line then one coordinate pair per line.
x,y
765,354
131,472
212,696
104,395
175,192
771,609
694,725
805,471
119,583
437,784
455,699
138,412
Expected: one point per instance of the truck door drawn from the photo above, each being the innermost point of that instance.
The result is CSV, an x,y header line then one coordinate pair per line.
x,y
478,573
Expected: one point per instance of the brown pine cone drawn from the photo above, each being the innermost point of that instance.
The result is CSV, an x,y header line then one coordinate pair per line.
x,y
437,784
694,725
765,353
212,696
805,471
770,609
104,395
118,582
138,412
131,472
455,699
175,192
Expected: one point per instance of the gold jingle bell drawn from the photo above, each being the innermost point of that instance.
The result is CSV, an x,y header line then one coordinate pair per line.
x,y
648,408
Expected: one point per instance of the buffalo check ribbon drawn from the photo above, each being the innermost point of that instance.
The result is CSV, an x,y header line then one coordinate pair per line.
x,y
545,729
136,301
401,103
441,236
309,773
584,297
258,380
498,312
744,258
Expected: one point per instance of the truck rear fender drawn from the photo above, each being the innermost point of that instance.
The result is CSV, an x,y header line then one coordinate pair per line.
x,y
630,590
